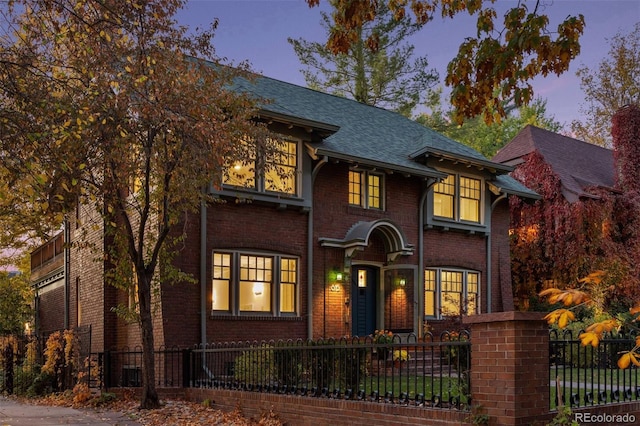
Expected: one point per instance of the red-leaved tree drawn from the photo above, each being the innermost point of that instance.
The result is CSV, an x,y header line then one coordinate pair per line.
x,y
555,243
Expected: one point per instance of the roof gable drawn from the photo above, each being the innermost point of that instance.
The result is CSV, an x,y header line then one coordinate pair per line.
x,y
369,135
365,133
578,164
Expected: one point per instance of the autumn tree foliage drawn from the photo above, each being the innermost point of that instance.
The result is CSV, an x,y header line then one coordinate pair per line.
x,y
608,87
110,106
573,298
585,254
625,131
389,76
556,243
488,70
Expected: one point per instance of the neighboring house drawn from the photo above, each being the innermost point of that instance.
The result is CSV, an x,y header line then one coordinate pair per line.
x,y
381,224
48,281
582,223
580,166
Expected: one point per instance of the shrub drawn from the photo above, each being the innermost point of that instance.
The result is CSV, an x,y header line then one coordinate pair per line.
x,y
42,384
256,365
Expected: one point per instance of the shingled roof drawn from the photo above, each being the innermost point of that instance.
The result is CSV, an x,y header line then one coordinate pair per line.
x,y
369,135
578,164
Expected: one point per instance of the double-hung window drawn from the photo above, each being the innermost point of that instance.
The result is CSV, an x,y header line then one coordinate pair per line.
x,y
450,292
458,198
264,284
272,172
366,189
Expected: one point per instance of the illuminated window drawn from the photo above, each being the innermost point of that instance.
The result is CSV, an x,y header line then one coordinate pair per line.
x,y
279,173
221,281
430,293
450,292
255,283
469,199
252,283
281,170
355,188
288,280
366,189
373,191
458,198
443,196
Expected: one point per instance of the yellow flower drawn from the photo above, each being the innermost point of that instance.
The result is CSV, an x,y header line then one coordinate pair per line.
x,y
400,355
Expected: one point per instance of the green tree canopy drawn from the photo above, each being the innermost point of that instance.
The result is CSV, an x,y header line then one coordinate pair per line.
x,y
15,300
614,84
488,138
387,76
488,70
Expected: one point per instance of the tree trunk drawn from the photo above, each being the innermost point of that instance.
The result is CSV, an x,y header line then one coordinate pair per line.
x,y
149,398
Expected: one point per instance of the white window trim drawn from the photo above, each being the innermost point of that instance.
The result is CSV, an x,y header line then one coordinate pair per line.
x,y
234,291
438,290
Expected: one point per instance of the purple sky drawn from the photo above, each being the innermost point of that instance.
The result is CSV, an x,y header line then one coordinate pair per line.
x,y
256,31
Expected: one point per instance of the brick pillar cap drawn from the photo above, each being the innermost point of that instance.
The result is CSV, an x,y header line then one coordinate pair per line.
x,y
504,316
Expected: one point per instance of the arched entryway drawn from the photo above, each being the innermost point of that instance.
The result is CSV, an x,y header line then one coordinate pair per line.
x,y
381,286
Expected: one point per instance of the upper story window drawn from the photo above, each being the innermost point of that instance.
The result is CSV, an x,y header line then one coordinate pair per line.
x,y
278,174
450,292
366,189
254,283
458,198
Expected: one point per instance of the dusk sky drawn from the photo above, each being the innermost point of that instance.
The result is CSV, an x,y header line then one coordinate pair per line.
x,y
256,31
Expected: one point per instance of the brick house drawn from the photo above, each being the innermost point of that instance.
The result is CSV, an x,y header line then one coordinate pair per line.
x,y
580,166
382,224
585,220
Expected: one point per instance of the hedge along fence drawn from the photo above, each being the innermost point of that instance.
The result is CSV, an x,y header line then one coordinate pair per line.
x,y
411,372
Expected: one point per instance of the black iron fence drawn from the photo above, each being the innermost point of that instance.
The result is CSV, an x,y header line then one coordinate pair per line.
x,y
23,358
410,371
427,372
123,368
585,375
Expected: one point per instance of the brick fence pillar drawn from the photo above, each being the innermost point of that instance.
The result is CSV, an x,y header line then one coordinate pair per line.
x,y
510,366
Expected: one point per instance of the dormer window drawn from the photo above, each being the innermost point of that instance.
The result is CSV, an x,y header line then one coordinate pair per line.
x,y
366,189
279,174
458,198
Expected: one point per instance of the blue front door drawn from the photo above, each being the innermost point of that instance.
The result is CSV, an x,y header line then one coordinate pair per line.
x,y
364,284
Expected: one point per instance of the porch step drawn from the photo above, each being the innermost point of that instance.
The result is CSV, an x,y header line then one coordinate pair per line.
x,y
419,362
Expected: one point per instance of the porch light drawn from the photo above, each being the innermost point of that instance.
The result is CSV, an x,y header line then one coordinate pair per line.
x,y
362,278
258,288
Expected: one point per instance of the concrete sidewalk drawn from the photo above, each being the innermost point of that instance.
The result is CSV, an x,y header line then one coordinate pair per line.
x,y
14,413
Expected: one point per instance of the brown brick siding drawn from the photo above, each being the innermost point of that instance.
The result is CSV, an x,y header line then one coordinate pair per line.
x,y
50,307
510,366
304,411
256,226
